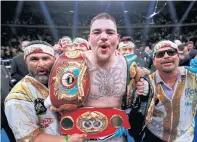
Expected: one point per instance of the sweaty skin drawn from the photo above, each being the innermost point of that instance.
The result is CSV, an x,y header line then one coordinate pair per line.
x,y
108,85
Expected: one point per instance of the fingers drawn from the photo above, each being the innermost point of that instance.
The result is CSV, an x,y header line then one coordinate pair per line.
x,y
139,74
82,137
140,86
77,137
146,88
54,109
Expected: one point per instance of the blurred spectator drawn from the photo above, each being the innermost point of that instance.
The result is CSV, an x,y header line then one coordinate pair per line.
x,y
185,60
190,45
80,44
126,38
147,57
18,66
66,43
126,46
5,78
183,50
58,50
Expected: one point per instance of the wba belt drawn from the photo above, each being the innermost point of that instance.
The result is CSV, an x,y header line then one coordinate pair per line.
x,y
95,122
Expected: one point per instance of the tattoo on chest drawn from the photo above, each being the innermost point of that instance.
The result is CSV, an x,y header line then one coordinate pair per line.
x,y
108,82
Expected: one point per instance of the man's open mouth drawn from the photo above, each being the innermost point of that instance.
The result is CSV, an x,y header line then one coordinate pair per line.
x,y
42,72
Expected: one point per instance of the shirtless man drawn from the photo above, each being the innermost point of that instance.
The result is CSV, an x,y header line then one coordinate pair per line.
x,y
107,69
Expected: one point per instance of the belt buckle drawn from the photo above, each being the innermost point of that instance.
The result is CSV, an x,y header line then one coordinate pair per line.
x,y
95,122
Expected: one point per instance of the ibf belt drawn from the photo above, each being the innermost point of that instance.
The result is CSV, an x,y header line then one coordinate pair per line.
x,y
95,122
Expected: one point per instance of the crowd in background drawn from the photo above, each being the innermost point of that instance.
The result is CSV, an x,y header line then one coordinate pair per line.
x,y
11,42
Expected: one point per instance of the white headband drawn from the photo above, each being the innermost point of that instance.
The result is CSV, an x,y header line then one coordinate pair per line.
x,y
165,43
38,48
126,44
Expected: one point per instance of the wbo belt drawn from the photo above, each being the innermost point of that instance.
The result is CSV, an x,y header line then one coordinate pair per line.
x,y
95,122
69,81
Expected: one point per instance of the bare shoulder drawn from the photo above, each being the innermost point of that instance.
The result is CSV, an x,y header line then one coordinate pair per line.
x,y
88,53
89,58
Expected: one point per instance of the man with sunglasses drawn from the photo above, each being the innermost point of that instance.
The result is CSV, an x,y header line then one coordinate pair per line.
x,y
175,97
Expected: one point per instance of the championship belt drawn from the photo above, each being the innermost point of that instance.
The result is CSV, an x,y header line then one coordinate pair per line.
x,y
95,122
131,59
132,71
69,81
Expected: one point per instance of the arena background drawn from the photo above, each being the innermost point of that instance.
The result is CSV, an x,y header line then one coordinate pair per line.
x,y
145,21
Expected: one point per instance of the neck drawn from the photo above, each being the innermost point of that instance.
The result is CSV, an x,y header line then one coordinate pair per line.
x,y
106,63
101,63
169,78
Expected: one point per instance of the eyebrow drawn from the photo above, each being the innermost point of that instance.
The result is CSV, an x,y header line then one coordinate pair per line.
x,y
35,57
105,30
83,44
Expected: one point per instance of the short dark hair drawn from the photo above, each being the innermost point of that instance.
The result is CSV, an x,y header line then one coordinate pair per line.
x,y
127,38
190,42
181,47
38,42
102,16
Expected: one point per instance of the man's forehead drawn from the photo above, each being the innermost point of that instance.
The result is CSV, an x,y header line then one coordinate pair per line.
x,y
38,55
66,40
165,48
103,24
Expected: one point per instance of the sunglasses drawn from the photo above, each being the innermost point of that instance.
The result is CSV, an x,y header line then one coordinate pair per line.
x,y
170,52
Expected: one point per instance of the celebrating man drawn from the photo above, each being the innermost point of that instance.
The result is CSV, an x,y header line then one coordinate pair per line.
x,y
25,108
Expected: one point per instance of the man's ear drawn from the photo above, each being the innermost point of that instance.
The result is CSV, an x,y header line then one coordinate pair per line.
x,y
89,37
178,53
118,38
89,41
154,61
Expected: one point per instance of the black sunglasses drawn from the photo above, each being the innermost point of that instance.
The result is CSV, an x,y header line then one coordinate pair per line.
x,y
170,52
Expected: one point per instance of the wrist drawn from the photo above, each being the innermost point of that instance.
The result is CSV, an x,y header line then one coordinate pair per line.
x,y
47,102
66,138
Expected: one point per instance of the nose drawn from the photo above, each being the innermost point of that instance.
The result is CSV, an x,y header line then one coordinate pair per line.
x,y
41,63
104,36
127,51
78,46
